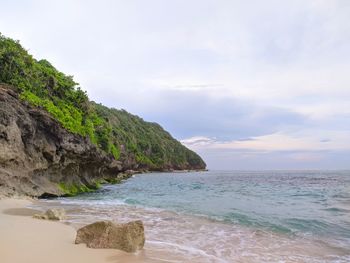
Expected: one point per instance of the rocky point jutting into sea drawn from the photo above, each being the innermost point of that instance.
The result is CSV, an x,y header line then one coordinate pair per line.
x,y
54,141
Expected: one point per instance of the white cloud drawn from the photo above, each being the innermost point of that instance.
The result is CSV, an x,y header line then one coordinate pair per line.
x,y
307,141
276,71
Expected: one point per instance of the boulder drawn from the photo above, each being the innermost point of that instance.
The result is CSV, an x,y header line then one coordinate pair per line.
x,y
52,214
128,237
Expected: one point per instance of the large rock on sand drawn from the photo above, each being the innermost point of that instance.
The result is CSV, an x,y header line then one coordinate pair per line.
x,y
52,214
128,237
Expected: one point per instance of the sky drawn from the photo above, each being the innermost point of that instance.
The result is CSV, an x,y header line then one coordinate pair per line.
x,y
248,85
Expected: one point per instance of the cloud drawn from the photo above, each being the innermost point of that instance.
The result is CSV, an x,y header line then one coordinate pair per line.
x,y
189,113
258,160
253,77
305,150
308,141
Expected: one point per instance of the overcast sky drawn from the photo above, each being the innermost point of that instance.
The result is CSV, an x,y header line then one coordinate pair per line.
x,y
246,84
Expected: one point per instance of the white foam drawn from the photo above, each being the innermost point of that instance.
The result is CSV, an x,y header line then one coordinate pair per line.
x,y
188,250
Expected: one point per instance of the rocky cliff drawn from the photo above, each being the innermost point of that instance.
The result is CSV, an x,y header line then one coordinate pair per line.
x,y
39,157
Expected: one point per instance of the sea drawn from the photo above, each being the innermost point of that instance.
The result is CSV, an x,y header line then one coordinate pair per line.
x,y
227,216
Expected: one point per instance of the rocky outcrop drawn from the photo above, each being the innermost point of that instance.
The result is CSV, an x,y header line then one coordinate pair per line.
x,y
38,157
52,214
128,237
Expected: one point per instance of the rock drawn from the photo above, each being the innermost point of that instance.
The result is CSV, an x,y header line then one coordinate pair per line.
x,y
128,237
37,154
52,214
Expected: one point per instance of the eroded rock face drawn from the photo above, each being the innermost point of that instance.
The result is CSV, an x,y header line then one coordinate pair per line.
x,y
128,237
39,158
52,214
37,153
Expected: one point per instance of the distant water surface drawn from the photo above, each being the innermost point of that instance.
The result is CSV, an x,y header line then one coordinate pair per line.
x,y
229,216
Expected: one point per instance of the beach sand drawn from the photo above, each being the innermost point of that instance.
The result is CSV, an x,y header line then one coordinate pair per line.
x,y
24,239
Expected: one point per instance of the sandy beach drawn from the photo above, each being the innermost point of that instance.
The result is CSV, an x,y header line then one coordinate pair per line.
x,y
24,239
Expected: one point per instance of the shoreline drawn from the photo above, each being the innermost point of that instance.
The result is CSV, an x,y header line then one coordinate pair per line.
x,y
187,235
25,239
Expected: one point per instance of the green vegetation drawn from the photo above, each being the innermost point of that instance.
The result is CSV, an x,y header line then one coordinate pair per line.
x,y
72,190
117,132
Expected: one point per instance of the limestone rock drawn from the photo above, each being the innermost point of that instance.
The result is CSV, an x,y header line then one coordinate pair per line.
x,y
37,153
128,237
52,214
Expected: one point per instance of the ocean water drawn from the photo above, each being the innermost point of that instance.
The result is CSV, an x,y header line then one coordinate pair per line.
x,y
229,216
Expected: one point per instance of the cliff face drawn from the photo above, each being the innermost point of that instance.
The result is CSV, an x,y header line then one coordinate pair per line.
x,y
38,157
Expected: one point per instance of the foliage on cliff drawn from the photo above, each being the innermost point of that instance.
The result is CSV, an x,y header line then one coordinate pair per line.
x,y
125,136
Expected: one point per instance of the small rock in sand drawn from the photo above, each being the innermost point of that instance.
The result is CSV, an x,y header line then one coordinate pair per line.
x,y
52,214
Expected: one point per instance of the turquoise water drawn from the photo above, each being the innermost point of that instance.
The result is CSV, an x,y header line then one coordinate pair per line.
x,y
229,216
